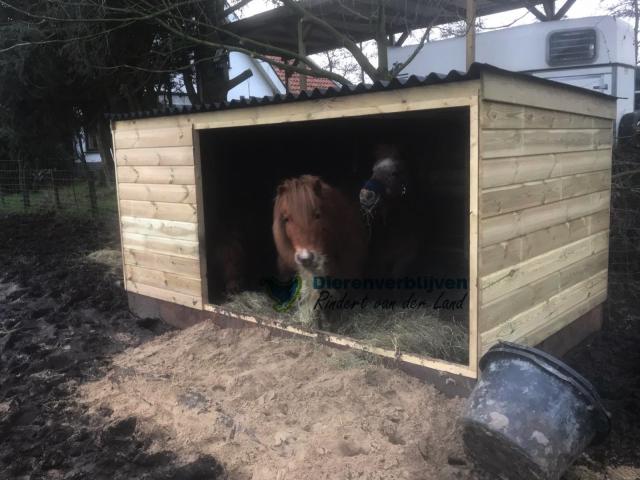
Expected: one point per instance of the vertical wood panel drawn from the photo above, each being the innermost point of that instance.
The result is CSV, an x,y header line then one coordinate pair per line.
x,y
544,216
474,205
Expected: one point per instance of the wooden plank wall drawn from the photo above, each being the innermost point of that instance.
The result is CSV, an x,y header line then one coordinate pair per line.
x,y
158,211
544,219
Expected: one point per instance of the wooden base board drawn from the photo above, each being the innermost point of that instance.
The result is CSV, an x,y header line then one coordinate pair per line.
x,y
176,315
573,334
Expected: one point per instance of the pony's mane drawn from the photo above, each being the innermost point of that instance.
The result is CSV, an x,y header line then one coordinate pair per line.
x,y
300,196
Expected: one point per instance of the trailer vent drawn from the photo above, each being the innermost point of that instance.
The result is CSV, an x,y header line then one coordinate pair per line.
x,y
569,47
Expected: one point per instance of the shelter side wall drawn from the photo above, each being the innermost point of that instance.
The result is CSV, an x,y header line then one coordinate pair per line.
x,y
158,210
545,180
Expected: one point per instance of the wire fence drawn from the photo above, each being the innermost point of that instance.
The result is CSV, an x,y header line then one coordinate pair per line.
x,y
26,190
624,247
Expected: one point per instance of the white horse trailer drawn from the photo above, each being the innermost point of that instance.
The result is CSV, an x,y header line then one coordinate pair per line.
x,y
596,53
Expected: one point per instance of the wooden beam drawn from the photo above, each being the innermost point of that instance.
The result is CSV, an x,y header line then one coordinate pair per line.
x,y
163,280
513,277
564,9
502,309
302,51
525,142
472,233
166,295
180,212
550,315
471,32
164,246
157,175
501,87
511,252
458,94
160,228
160,137
158,193
515,224
167,156
515,170
496,201
186,267
506,116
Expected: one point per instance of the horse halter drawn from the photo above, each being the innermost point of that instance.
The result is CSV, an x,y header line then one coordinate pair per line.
x,y
368,205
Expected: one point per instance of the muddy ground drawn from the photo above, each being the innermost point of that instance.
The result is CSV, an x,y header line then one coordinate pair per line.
x,y
89,391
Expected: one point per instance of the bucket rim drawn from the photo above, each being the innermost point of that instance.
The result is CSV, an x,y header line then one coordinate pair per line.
x,y
560,371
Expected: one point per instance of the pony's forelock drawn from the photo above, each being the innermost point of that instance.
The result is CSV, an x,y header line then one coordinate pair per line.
x,y
300,196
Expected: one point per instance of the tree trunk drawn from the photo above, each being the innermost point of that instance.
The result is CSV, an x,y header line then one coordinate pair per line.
x,y
212,64
187,78
636,27
103,137
382,42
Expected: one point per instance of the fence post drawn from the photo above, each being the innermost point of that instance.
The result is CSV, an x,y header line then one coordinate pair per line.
x,y
92,192
24,186
56,192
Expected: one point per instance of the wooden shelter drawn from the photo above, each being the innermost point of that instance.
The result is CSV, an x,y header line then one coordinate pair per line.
x,y
538,173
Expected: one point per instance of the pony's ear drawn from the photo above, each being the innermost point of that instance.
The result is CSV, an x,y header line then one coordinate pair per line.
x,y
281,189
317,187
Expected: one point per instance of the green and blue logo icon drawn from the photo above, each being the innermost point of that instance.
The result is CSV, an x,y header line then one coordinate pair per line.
x,y
285,294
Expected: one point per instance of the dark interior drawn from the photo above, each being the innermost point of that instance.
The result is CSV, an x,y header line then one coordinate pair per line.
x,y
242,166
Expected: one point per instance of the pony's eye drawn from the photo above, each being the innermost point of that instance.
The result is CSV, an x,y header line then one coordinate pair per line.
x,y
285,219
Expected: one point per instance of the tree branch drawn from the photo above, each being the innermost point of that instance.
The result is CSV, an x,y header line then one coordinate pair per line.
x,y
317,71
564,9
539,15
346,41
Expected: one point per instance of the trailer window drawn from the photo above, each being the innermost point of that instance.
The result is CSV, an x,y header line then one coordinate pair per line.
x,y
568,47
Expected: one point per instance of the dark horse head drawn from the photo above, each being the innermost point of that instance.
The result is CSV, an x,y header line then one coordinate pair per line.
x,y
388,184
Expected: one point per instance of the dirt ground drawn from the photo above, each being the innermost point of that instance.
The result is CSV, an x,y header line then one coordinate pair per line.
x,y
89,391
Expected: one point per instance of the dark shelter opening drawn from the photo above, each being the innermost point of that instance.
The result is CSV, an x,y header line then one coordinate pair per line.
x,y
242,168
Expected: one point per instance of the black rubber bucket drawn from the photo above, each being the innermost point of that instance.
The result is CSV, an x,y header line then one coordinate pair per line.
x,y
530,415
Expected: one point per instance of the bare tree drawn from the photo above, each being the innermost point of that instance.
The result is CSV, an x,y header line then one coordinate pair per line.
x,y
629,9
550,12
199,32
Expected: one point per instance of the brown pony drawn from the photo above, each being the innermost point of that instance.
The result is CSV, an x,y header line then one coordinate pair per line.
x,y
317,230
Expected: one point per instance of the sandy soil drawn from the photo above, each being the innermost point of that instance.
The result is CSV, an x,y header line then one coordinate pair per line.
x,y
88,391
275,408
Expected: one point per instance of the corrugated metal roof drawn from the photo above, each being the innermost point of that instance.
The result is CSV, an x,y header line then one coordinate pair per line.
x,y
474,73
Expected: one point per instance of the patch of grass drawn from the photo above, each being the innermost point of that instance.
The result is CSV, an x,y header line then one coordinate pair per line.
x,y
73,199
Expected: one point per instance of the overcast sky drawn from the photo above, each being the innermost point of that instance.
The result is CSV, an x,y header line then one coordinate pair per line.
x,y
582,8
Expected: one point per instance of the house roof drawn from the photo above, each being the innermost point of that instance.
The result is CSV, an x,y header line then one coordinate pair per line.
x,y
292,83
474,73
353,19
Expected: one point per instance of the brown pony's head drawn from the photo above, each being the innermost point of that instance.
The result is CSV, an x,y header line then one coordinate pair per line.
x,y
301,223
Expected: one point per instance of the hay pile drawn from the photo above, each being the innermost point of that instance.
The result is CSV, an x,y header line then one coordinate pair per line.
x,y
420,331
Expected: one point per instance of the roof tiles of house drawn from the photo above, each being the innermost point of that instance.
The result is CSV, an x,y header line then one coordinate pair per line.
x,y
293,82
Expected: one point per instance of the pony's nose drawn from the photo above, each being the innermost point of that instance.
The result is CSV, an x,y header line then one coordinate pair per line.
x,y
368,197
304,257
